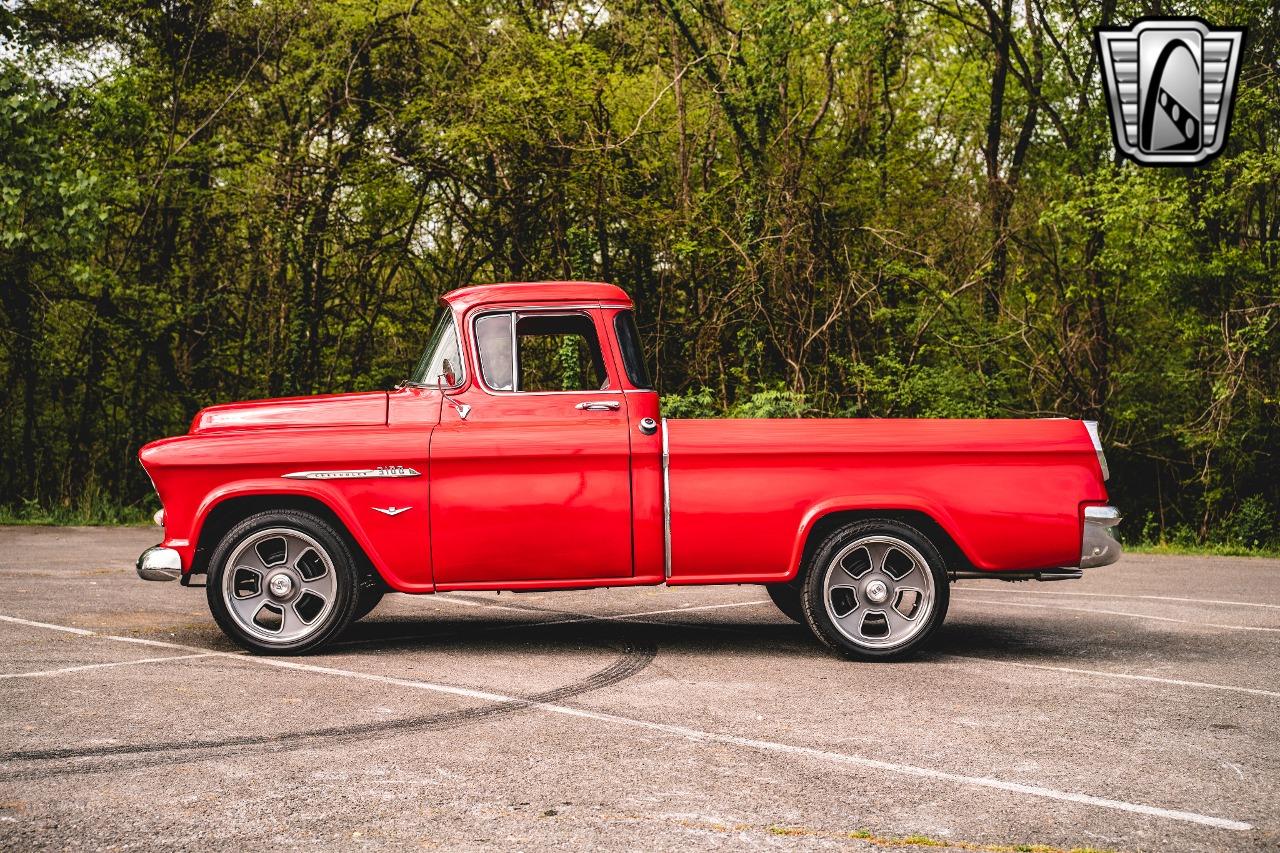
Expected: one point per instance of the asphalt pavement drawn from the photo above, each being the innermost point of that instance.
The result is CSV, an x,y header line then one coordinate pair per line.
x,y
1137,709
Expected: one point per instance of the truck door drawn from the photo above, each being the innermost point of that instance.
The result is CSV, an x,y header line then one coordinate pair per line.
x,y
534,483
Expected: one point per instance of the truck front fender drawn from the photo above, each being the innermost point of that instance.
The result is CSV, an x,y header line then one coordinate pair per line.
x,y
401,559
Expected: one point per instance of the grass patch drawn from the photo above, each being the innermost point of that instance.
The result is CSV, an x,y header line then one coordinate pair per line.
x,y
910,841
789,830
1207,549
97,514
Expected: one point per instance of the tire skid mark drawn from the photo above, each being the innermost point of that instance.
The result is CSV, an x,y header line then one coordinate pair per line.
x,y
637,654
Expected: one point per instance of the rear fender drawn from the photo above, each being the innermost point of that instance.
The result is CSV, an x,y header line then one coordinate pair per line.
x,y
864,505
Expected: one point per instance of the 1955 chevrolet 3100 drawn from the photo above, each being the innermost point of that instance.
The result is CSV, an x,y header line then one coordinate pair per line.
x,y
527,453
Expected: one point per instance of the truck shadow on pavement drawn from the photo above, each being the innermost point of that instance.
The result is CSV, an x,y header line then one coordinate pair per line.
x,y
1052,640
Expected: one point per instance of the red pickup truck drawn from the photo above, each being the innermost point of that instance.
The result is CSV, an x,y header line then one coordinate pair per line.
x,y
527,452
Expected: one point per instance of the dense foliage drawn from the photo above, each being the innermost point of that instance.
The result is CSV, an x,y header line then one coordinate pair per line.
x,y
890,208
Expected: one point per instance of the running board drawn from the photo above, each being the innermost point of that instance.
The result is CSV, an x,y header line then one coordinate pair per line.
x,y
1042,575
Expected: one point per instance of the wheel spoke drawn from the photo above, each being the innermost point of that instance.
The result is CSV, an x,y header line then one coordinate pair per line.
x,y
898,624
878,552
322,586
249,559
852,621
248,607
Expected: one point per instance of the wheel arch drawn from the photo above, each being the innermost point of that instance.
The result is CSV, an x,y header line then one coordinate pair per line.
x,y
224,511
824,518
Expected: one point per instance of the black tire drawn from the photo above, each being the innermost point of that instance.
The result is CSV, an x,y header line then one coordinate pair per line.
x,y
840,543
339,607
787,597
370,596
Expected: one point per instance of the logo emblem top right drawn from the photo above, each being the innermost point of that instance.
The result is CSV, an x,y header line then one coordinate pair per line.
x,y
1169,84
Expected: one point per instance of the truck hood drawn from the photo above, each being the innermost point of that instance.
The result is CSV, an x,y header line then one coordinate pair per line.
x,y
367,408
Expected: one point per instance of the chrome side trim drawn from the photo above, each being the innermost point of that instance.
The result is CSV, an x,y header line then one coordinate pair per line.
x,y
1097,546
1091,427
666,504
159,564
354,474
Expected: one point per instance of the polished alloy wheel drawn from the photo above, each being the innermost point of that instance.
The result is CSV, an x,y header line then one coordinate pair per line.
x,y
279,585
879,592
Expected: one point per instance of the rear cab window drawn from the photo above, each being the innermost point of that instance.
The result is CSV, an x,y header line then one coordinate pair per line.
x,y
624,325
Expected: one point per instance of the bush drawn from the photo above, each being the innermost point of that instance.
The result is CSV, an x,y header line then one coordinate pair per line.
x,y
1252,524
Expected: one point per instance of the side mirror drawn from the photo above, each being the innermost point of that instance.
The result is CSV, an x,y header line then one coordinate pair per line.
x,y
447,379
444,382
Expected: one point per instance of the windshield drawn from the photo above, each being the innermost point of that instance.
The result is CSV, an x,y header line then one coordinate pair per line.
x,y
440,364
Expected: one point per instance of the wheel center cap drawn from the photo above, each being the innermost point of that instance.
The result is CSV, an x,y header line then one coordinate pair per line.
x,y
877,592
280,585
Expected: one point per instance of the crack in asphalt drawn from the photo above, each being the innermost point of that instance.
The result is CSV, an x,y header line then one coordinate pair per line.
x,y
637,654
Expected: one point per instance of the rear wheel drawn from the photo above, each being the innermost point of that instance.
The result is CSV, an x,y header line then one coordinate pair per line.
x,y
875,590
787,597
283,582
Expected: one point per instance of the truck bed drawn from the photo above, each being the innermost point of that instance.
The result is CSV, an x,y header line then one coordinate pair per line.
x,y
744,493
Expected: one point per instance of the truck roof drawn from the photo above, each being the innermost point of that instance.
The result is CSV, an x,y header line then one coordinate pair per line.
x,y
574,292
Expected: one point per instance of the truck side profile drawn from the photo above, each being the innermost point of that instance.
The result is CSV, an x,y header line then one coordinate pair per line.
x,y
527,452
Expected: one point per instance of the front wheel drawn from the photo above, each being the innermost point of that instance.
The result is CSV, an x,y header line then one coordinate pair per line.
x,y
283,582
875,590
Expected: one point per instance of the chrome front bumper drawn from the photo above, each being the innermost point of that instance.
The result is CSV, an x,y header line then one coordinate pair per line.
x,y
159,563
1097,546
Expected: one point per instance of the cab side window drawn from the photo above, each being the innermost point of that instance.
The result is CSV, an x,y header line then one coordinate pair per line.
x,y
493,337
547,352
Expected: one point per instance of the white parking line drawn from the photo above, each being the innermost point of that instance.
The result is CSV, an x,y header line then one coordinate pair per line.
x,y
1117,613
51,672
1122,675
66,629
84,632
701,736
1117,595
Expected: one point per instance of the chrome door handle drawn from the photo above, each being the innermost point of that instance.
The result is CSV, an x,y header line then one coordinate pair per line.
x,y
599,406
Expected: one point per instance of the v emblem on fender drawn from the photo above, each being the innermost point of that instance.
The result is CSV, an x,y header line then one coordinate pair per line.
x,y
393,510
